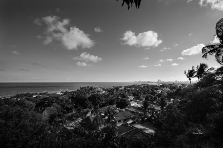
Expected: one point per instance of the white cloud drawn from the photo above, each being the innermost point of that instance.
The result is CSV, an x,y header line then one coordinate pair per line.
x,y
175,64
175,44
189,1
142,66
144,39
70,38
47,40
165,48
190,34
169,59
161,60
37,21
15,52
146,58
98,29
157,65
87,57
180,58
193,50
215,41
215,4
81,64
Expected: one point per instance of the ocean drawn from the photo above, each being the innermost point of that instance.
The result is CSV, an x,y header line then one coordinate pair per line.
x,y
10,89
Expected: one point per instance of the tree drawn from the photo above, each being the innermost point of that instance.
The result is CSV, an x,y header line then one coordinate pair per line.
x,y
21,128
149,98
190,73
98,122
162,102
95,99
215,48
201,70
122,103
110,113
110,132
145,106
130,2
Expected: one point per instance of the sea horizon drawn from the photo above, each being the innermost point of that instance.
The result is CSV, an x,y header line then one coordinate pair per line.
x,y
13,88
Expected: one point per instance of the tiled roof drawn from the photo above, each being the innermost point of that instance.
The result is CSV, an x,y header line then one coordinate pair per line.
x,y
123,115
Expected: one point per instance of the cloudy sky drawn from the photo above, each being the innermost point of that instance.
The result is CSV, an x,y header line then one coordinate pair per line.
x,y
98,40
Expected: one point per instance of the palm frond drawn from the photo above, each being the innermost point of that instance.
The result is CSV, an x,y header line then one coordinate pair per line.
x,y
207,48
219,29
201,70
130,2
203,66
217,48
219,71
205,56
211,47
210,50
219,56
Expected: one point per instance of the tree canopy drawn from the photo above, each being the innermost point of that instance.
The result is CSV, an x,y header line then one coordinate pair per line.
x,y
190,73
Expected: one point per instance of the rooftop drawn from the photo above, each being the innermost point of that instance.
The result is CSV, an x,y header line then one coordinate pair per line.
x,y
123,115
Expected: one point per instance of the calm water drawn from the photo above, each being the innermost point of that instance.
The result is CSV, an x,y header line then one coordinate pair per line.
x,y
8,89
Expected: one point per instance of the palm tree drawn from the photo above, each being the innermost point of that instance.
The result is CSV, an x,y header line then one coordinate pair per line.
x,y
202,69
110,134
145,106
98,122
130,2
215,48
110,112
190,73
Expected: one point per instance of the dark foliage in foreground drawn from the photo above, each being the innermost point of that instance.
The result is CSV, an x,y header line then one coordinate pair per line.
x,y
130,2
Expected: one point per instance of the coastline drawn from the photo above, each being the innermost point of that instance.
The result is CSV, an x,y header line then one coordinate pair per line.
x,y
12,89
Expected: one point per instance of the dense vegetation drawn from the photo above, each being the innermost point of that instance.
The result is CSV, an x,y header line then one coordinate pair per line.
x,y
190,116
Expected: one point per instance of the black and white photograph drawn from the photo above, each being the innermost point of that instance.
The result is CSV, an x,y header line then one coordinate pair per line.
x,y
111,73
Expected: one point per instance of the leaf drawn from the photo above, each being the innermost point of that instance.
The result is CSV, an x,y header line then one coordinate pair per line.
x,y
219,56
208,48
205,55
130,2
219,29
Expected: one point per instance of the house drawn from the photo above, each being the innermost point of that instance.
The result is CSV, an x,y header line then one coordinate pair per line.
x,y
123,117
136,103
104,109
72,124
135,110
92,123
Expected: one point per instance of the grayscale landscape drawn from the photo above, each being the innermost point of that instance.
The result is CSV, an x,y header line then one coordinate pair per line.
x,y
111,73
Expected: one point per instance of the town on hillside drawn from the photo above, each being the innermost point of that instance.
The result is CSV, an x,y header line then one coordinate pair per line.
x,y
132,111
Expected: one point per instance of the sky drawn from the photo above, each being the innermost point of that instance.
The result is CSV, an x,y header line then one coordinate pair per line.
x,y
101,41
